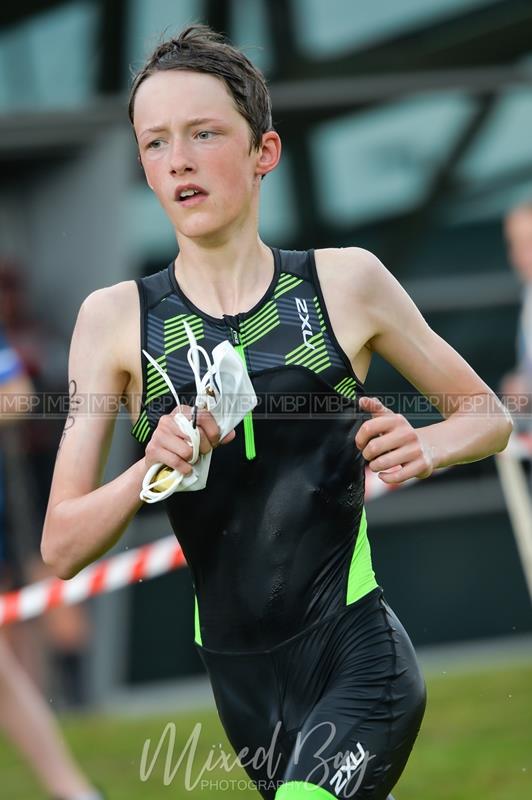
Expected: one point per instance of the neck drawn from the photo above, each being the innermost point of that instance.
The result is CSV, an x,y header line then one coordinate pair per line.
x,y
228,278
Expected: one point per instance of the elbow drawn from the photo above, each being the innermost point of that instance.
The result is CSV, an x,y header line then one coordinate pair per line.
x,y
506,430
60,568
66,572
60,565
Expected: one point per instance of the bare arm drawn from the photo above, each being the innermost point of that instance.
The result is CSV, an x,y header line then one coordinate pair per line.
x,y
84,519
476,423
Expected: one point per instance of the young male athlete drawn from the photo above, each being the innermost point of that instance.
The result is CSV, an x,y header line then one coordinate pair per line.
x,y
308,662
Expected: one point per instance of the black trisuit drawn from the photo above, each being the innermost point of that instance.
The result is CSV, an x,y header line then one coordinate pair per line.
x,y
305,657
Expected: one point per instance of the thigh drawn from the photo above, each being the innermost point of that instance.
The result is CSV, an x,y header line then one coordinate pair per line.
x,y
246,695
357,739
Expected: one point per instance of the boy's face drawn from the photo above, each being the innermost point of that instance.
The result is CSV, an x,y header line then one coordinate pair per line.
x,y
199,138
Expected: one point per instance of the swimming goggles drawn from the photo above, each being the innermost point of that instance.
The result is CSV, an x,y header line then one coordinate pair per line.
x,y
225,390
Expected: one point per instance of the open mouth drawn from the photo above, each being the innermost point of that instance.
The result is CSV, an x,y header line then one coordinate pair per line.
x,y
189,197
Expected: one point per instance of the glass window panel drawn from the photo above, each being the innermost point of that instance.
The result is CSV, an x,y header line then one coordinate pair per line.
x,y
504,144
328,28
489,205
380,162
48,61
152,21
249,31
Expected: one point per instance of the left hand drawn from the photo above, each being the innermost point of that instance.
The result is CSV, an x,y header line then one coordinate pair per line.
x,y
391,445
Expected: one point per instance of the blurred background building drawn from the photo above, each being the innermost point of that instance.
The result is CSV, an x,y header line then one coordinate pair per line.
x,y
406,130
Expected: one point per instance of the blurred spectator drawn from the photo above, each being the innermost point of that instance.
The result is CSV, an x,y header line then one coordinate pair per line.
x,y
518,232
44,356
25,717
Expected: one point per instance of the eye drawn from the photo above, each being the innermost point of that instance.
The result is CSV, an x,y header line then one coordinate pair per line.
x,y
204,134
154,145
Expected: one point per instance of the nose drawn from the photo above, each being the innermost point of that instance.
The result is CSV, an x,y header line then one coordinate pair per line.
x,y
180,158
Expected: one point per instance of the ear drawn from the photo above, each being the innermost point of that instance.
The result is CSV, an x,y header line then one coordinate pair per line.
x,y
269,153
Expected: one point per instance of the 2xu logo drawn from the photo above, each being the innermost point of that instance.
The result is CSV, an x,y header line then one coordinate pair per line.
x,y
354,763
304,314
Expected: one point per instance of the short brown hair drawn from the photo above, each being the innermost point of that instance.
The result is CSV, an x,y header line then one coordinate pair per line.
x,y
200,49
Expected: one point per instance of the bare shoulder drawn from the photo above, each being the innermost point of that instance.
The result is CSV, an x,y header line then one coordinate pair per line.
x,y
347,278
111,315
351,269
357,279
119,298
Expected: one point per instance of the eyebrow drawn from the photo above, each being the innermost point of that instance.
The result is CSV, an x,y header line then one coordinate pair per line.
x,y
201,120
190,123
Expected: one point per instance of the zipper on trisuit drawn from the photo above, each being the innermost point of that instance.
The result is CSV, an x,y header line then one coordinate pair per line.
x,y
249,434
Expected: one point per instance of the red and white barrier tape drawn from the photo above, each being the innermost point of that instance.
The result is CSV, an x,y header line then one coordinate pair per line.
x,y
112,573
151,560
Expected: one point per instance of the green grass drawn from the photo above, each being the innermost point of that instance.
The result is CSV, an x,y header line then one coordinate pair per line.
x,y
475,744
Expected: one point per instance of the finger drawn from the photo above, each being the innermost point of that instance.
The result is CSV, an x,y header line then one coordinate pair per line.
x,y
176,441
373,405
385,442
403,473
172,460
173,443
395,457
374,427
209,426
175,430
205,445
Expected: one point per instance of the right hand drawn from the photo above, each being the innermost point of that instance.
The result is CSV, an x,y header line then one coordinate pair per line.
x,y
169,445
